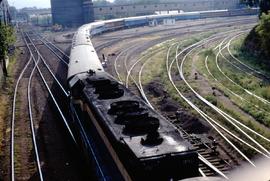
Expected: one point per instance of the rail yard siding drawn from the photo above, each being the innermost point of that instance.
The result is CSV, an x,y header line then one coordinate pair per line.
x,y
181,5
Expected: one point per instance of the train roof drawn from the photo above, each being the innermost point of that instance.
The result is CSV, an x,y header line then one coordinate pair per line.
x,y
79,65
172,140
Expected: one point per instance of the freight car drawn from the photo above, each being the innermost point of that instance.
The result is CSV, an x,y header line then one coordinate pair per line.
x,y
136,21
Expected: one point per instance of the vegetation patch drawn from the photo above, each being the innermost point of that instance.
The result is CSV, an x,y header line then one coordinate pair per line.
x,y
257,41
7,38
6,92
250,82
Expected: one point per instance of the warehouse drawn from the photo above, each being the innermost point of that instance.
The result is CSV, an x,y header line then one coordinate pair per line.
x,y
126,10
72,13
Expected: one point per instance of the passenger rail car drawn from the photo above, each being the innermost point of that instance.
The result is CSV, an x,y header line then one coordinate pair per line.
x,y
141,144
113,25
213,14
136,21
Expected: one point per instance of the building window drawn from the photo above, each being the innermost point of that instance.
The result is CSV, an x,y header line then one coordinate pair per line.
x,y
122,7
144,6
165,5
155,6
110,8
100,9
134,7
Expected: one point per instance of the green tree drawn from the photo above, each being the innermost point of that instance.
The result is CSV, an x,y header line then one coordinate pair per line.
x,y
263,30
7,38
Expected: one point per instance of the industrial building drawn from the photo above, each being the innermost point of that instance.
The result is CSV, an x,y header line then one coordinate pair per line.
x,y
4,12
117,11
72,13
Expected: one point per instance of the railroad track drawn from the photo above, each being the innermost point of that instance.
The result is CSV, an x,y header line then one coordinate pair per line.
x,y
36,63
206,157
28,74
218,162
253,70
48,71
127,73
118,63
228,118
137,83
207,150
235,83
206,168
219,53
63,57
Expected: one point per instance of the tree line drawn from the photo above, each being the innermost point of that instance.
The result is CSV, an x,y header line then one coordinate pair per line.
x,y
258,39
7,38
